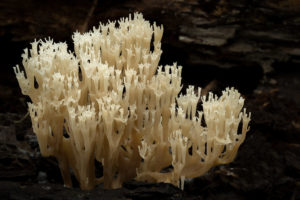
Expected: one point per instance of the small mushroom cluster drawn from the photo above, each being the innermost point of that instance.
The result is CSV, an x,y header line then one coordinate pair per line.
x,y
109,101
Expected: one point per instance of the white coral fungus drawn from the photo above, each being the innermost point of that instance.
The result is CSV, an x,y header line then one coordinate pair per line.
x,y
110,101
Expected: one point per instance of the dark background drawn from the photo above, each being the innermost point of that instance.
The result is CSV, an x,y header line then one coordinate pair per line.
x,y
252,45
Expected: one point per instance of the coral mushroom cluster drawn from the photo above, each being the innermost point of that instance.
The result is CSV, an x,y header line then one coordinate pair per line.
x,y
110,101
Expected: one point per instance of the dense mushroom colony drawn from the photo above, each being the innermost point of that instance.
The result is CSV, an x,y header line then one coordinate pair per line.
x,y
110,101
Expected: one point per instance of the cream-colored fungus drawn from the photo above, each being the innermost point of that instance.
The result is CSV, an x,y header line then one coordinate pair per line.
x,y
110,101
